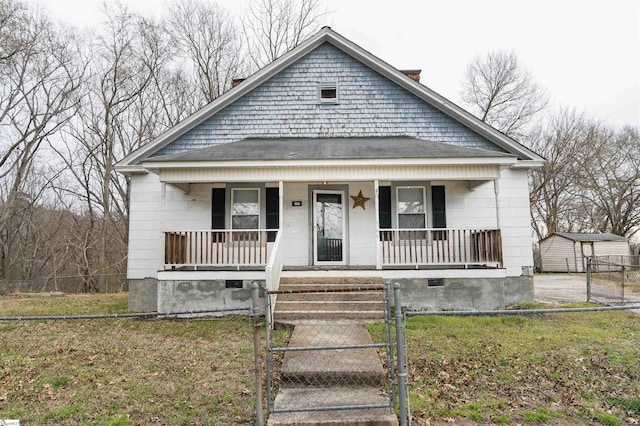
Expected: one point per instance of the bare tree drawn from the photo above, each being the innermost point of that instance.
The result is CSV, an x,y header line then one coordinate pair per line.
x,y
273,27
502,93
40,76
207,39
113,119
553,187
609,180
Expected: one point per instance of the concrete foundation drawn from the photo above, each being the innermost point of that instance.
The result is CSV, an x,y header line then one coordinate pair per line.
x,y
453,294
448,294
200,295
143,295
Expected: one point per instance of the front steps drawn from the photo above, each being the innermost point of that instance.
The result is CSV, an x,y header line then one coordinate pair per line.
x,y
318,382
353,298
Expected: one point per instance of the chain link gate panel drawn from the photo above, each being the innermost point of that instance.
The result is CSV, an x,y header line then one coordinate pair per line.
x,y
323,363
613,280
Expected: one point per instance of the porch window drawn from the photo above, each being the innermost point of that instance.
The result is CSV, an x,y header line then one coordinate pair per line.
x,y
245,208
411,207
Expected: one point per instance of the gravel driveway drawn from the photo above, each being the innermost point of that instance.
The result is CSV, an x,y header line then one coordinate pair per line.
x,y
560,288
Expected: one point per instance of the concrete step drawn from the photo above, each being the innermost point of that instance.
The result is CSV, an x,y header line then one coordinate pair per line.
x,y
344,366
329,305
330,287
284,316
332,280
327,296
292,398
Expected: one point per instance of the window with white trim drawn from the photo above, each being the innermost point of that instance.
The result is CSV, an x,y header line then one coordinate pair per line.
x,y
412,212
245,208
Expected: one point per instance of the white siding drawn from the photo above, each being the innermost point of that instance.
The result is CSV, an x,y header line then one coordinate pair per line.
x,y
295,225
556,252
465,208
515,221
362,225
469,208
611,248
360,232
145,237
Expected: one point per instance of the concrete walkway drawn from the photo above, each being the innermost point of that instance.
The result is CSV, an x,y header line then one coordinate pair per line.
x,y
331,378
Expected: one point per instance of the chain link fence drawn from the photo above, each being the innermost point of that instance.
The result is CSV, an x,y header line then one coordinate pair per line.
x,y
613,280
98,283
156,353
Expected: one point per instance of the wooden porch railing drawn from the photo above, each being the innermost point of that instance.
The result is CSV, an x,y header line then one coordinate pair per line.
x,y
440,246
217,247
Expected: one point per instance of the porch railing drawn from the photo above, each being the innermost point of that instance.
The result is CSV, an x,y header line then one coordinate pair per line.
x,y
217,247
440,246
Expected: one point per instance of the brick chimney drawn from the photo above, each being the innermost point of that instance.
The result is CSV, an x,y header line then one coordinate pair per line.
x,y
414,74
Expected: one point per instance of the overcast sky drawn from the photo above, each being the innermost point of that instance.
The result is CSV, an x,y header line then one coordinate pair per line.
x,y
586,53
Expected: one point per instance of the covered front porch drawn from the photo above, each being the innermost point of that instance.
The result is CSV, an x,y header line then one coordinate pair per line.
x,y
396,208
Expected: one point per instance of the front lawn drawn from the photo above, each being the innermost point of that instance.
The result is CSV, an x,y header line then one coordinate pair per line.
x,y
121,371
545,369
560,368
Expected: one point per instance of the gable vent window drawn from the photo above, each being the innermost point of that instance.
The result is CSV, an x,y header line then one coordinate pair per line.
x,y
329,92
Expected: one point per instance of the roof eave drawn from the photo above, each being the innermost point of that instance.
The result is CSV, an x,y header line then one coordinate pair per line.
x,y
498,161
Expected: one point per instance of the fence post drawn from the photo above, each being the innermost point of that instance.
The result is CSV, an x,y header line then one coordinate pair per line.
x,y
589,259
622,283
257,364
390,355
402,375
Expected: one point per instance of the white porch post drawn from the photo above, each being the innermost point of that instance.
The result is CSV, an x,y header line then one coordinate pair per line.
x,y
376,190
163,196
280,206
496,190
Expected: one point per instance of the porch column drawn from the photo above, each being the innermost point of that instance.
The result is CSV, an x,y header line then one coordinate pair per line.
x,y
376,190
163,196
496,190
280,207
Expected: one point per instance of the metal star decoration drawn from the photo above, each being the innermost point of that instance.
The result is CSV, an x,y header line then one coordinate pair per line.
x,y
359,200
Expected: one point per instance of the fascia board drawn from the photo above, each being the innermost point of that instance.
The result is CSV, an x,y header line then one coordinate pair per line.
x,y
528,164
136,169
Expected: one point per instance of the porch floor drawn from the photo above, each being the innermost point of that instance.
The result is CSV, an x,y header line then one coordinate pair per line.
x,y
312,268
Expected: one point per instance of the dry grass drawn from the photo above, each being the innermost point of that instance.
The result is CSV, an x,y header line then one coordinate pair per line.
x,y
569,368
121,371
552,369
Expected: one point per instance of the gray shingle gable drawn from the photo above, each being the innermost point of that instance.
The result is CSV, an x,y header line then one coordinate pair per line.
x,y
287,106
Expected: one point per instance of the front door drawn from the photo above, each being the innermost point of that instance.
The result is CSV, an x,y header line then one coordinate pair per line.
x,y
328,227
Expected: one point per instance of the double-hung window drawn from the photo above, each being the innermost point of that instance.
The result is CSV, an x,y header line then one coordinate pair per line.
x,y
245,208
412,212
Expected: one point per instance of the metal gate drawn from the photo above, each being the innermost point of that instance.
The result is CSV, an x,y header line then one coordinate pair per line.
x,y
613,280
320,364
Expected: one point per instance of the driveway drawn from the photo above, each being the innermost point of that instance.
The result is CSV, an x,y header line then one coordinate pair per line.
x,y
560,288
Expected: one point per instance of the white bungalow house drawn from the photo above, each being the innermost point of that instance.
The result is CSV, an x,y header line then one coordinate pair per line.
x,y
329,162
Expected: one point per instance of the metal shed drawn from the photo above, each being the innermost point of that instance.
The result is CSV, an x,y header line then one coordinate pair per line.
x,y
567,251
